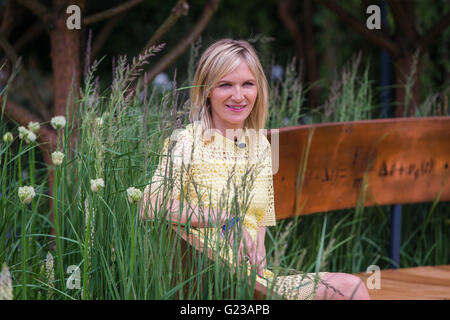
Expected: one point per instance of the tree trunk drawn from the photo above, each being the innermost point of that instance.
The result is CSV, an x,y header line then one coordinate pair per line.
x,y
65,53
285,9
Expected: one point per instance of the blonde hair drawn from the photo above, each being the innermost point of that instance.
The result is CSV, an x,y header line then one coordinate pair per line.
x,y
221,58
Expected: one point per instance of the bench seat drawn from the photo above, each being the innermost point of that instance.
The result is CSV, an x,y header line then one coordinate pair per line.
x,y
418,283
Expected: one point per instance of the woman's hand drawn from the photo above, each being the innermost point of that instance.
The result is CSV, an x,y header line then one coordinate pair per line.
x,y
248,249
196,217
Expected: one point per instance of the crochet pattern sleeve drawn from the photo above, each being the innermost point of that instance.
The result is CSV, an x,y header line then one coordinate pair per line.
x,y
269,214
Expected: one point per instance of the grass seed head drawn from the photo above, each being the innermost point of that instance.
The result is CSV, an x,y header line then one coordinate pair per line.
x,y
6,291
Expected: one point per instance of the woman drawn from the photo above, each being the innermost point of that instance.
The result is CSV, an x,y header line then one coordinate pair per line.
x,y
221,170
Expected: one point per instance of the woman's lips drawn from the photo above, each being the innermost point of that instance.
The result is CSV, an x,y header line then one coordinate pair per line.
x,y
236,108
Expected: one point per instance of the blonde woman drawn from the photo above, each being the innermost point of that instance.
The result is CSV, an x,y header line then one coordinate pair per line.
x,y
220,171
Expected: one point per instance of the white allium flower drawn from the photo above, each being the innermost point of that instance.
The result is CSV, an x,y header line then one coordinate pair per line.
x,y
23,132
99,121
57,158
26,135
8,137
26,194
34,126
31,137
58,122
97,184
6,291
134,195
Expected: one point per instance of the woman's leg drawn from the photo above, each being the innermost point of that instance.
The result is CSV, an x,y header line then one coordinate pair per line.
x,y
341,286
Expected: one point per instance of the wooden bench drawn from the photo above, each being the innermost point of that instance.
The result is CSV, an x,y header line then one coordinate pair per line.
x,y
331,166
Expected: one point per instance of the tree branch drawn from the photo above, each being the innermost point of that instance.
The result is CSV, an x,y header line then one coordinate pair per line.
x,y
28,36
104,33
377,37
19,114
181,8
38,9
109,13
402,19
284,7
431,34
31,90
208,11
22,116
9,19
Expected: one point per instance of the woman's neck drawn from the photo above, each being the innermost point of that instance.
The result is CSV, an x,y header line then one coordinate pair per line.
x,y
230,132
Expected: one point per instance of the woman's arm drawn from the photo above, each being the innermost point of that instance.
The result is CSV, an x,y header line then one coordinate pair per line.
x,y
261,249
256,252
196,217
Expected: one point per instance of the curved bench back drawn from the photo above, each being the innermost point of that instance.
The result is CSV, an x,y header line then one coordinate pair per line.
x,y
331,166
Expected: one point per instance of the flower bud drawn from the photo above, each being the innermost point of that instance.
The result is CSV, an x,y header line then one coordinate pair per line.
x,y
26,194
34,126
23,132
30,137
58,122
97,184
134,195
57,158
8,137
99,121
26,135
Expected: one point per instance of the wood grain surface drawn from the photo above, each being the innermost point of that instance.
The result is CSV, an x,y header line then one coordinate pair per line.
x,y
389,161
420,283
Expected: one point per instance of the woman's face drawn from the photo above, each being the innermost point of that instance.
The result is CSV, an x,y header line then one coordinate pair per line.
x,y
233,98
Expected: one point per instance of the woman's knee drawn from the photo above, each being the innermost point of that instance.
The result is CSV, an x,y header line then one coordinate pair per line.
x,y
343,286
356,288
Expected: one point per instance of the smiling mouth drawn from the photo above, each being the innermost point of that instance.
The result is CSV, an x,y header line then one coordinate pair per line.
x,y
236,108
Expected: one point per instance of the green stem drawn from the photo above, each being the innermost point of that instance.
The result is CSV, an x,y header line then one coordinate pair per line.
x,y
133,245
31,160
57,229
3,202
86,258
24,255
19,163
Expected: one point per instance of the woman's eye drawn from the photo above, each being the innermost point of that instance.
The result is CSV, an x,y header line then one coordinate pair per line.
x,y
223,85
249,84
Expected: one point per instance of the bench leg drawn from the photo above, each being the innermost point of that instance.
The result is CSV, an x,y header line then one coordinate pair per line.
x,y
396,233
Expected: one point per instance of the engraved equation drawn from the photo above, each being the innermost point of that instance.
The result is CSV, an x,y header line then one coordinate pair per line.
x,y
364,159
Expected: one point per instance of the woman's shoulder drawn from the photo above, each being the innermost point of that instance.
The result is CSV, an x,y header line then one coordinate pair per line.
x,y
182,140
261,141
182,135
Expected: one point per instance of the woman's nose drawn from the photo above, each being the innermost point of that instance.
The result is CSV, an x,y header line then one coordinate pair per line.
x,y
237,94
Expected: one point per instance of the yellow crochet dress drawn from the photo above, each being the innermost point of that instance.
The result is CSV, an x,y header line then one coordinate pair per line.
x,y
213,171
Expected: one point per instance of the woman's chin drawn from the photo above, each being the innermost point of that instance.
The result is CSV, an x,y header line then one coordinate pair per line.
x,y
237,118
